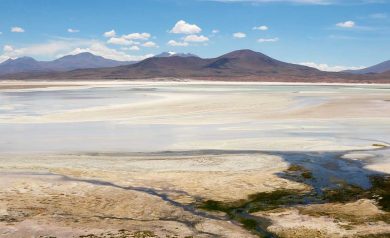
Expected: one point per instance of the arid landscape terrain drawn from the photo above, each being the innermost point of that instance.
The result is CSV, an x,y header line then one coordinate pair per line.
x,y
194,119
194,159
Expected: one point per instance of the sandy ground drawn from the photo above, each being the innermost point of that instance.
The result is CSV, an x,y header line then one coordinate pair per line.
x,y
78,192
329,220
77,195
48,206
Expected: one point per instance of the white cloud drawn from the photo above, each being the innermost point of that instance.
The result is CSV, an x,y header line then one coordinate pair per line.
x,y
100,49
119,41
176,43
260,28
48,49
110,34
17,29
195,38
8,48
239,35
128,39
346,24
215,31
133,48
150,44
326,67
65,46
3,58
70,30
182,27
137,36
263,40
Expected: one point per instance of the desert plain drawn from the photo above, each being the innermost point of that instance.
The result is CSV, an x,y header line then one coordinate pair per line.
x,y
194,159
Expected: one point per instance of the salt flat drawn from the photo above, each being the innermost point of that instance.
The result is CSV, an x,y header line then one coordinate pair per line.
x,y
89,158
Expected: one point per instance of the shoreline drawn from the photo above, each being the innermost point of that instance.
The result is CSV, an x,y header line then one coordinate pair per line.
x,y
163,81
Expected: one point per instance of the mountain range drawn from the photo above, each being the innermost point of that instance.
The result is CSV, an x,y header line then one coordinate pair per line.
x,y
240,65
66,63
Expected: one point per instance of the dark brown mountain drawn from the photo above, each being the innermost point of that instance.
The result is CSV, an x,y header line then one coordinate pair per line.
x,y
234,64
249,63
241,65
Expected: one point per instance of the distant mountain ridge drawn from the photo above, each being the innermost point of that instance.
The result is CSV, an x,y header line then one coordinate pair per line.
x,y
66,63
234,64
239,65
375,69
23,64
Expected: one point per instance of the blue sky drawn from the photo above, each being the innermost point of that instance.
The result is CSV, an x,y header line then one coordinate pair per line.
x,y
330,34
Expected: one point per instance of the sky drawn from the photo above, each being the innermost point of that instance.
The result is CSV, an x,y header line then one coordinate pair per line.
x,y
331,35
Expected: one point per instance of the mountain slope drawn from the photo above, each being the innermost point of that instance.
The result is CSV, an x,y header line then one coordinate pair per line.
x,y
83,61
241,65
247,62
376,69
66,63
235,64
23,64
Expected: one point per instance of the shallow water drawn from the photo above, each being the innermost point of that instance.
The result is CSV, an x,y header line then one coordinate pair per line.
x,y
118,135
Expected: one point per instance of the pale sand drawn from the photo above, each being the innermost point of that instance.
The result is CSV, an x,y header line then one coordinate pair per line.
x,y
102,191
47,206
85,205
220,177
359,217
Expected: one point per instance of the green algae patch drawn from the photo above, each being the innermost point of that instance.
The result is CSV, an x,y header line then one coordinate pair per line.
x,y
212,205
383,235
381,191
240,210
379,145
266,201
299,172
123,234
345,193
263,201
307,175
295,167
248,223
